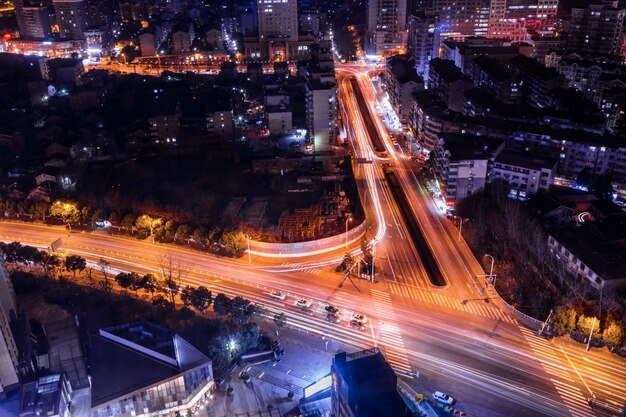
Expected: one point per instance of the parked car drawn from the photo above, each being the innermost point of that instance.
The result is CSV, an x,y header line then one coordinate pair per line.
x,y
331,309
359,317
277,295
443,398
357,325
333,318
302,303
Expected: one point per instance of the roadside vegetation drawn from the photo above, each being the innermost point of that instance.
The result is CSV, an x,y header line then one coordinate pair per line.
x,y
528,276
218,325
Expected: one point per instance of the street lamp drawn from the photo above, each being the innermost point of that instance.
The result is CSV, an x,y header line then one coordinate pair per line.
x,y
460,225
249,255
493,283
348,220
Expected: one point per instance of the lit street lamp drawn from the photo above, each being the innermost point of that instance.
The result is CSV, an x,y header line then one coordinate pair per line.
x,y
349,219
460,225
493,282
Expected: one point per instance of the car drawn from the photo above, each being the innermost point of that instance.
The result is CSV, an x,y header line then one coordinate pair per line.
x,y
333,318
443,398
331,309
277,295
359,317
357,325
302,303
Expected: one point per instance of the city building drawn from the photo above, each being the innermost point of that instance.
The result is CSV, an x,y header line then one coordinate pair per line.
x,y
402,82
543,43
523,174
462,164
429,118
70,18
33,19
513,19
464,51
597,28
309,22
385,27
182,36
278,20
142,369
9,355
278,114
592,251
46,47
496,79
423,41
447,81
538,81
46,396
463,17
321,111
65,71
365,385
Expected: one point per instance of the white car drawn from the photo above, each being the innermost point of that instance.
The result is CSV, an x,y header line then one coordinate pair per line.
x,y
443,398
277,295
359,317
302,303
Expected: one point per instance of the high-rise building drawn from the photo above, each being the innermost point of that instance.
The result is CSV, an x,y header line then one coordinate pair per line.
x,y
463,17
597,28
363,384
71,18
278,19
513,19
385,27
32,19
9,358
423,41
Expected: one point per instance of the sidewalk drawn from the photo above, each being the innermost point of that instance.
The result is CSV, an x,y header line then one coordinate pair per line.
x,y
306,359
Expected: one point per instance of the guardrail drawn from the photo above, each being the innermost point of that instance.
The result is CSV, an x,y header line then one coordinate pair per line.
x,y
298,248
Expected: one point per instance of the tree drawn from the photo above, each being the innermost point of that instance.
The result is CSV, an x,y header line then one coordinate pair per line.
x,y
162,305
97,215
127,280
147,224
199,236
221,304
280,320
183,231
75,263
234,241
53,264
172,276
564,320
66,210
169,229
238,309
585,323
150,283
128,222
114,218
199,298
614,334
104,267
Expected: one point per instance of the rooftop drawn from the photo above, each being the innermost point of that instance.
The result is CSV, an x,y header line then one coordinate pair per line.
x,y
446,69
462,147
371,384
129,357
42,397
525,160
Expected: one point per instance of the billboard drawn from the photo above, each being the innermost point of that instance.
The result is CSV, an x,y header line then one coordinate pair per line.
x,y
319,385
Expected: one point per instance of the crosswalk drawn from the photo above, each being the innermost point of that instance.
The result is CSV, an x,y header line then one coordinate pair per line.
x,y
476,307
389,337
573,398
299,267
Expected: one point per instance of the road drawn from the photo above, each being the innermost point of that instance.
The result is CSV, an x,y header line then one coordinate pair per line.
x,y
462,342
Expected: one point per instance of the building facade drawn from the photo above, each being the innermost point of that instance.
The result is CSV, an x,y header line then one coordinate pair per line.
x,y
463,17
321,111
71,18
142,369
423,41
597,28
523,174
33,19
385,26
9,356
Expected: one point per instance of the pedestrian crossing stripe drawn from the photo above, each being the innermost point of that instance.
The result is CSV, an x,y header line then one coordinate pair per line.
x,y
390,339
441,299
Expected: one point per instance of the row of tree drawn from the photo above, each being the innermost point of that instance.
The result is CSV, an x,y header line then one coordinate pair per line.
x,y
566,320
